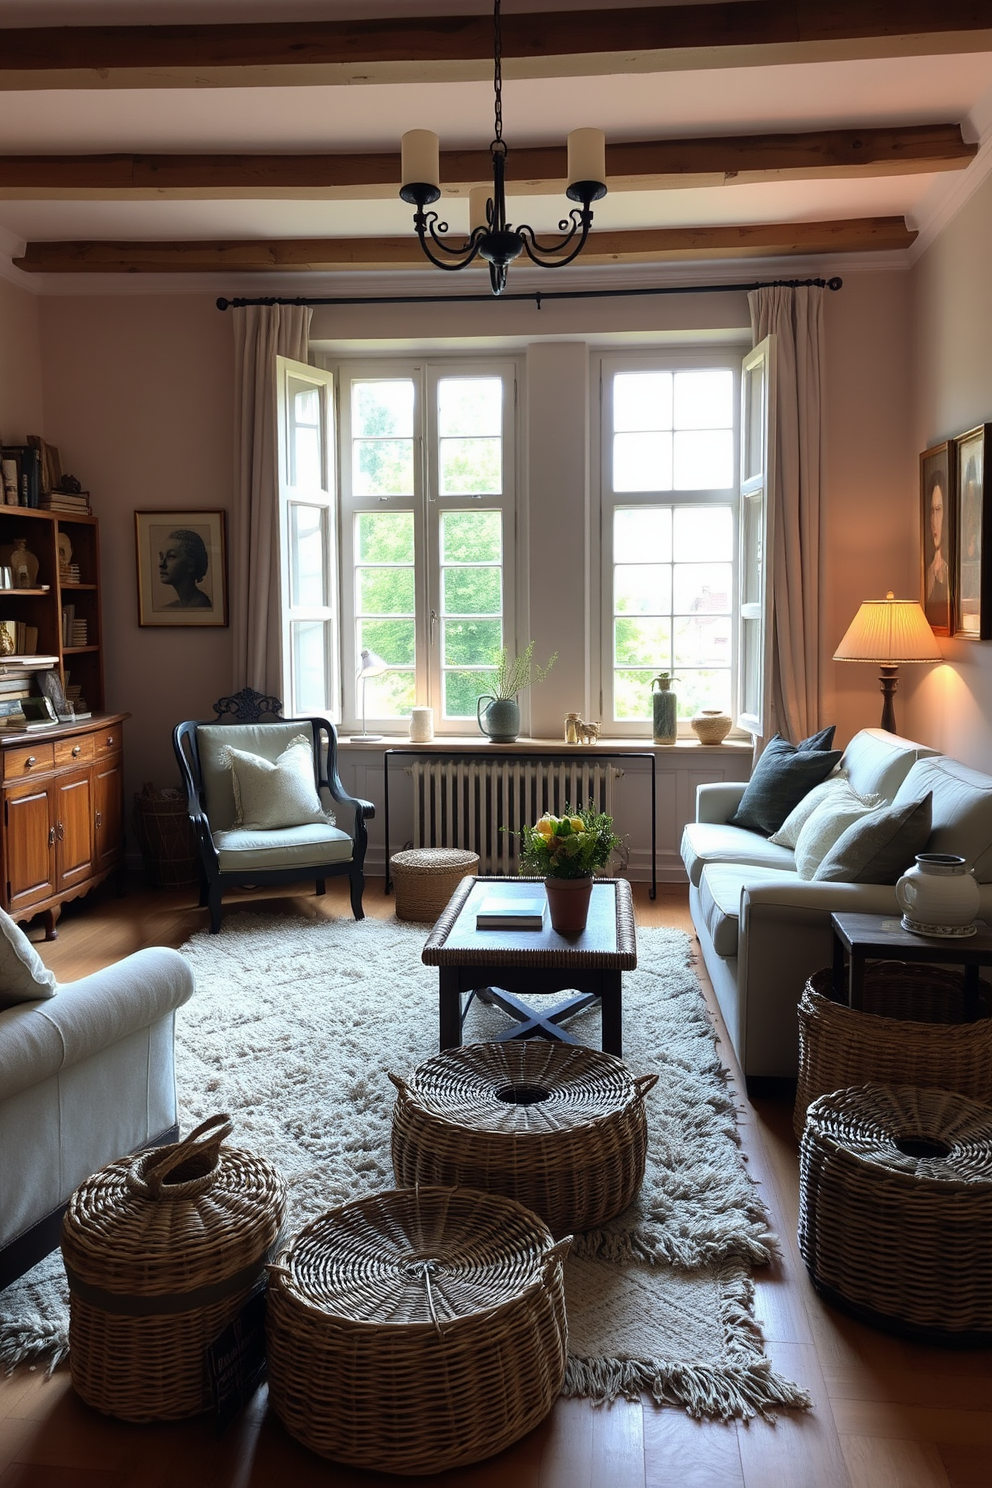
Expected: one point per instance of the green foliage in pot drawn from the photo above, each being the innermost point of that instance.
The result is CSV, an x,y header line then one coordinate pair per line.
x,y
570,846
514,676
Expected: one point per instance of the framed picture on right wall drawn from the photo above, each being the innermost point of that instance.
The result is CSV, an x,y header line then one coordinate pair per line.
x,y
937,533
972,553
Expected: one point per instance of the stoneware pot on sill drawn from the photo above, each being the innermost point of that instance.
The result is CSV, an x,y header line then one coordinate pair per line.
x,y
940,896
711,725
500,721
568,903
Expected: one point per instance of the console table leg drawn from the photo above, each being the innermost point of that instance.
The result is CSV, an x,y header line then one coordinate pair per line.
x,y
612,1016
450,1008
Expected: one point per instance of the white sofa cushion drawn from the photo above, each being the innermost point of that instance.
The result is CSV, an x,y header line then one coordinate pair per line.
x,y
241,850
720,900
24,977
878,762
962,810
715,842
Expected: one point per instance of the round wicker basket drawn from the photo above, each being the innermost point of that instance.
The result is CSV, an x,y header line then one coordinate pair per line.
x,y
161,1251
558,1127
895,1208
425,879
417,1330
911,1030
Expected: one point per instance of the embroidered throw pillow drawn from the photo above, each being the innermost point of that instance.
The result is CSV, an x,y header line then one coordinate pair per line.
x,y
24,977
835,786
272,794
823,827
881,846
780,779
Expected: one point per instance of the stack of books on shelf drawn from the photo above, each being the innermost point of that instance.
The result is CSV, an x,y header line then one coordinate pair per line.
x,y
74,695
69,573
17,679
78,633
69,503
17,638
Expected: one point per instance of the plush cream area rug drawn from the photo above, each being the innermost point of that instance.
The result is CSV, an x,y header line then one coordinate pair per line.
x,y
293,1029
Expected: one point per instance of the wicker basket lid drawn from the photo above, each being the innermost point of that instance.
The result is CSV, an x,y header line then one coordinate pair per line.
x,y
928,1136
173,1220
523,1087
427,1257
434,859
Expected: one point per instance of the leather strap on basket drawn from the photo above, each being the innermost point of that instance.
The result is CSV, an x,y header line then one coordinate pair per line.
x,y
148,1172
123,1304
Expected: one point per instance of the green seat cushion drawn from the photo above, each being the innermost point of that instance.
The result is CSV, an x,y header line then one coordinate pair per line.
x,y
240,850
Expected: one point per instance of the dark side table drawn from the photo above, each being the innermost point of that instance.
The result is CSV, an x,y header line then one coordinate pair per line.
x,y
861,938
505,963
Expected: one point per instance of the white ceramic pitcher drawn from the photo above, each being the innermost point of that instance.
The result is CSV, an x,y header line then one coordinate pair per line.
x,y
940,896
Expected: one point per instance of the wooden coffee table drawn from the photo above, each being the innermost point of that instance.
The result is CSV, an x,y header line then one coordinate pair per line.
x,y
506,963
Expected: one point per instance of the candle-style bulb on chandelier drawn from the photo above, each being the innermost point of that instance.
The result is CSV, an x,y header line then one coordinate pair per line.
x,y
490,235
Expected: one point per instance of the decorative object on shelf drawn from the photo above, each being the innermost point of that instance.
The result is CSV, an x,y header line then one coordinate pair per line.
x,y
971,567
6,577
664,710
566,851
711,725
491,236
8,637
500,720
890,632
421,725
572,720
182,567
10,482
24,564
370,665
587,733
65,559
939,896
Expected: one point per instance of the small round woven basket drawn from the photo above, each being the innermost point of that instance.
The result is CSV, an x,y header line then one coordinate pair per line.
x,y
558,1127
417,1330
895,1208
425,879
161,1251
911,1030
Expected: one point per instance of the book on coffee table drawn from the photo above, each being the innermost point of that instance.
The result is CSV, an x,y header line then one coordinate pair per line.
x,y
499,912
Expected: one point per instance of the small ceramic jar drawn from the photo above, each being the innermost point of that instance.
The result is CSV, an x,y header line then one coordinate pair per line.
x,y
711,725
421,725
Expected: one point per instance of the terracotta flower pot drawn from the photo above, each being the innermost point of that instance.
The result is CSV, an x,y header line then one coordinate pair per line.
x,y
568,903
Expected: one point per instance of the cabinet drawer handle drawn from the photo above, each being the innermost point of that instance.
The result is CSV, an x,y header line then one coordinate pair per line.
x,y
110,740
99,818
60,831
77,751
51,836
32,759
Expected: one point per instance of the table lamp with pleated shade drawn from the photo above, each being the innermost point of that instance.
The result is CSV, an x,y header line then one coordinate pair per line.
x,y
890,632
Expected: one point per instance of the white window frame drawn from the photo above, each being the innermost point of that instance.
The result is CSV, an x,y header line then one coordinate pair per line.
x,y
667,359
427,504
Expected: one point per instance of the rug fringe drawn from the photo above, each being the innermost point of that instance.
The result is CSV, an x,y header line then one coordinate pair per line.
x,y
608,1244
721,1393
33,1340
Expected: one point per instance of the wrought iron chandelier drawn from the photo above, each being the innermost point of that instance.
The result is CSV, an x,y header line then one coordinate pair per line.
x,y
490,235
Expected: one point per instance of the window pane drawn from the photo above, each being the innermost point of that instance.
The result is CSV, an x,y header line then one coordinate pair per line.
x,y
642,534
393,640
471,642
471,467
703,533
704,399
643,643
642,400
643,589
382,467
306,464
309,648
470,537
632,694
382,407
702,587
390,695
703,641
385,591
469,405
703,689
462,691
642,462
704,460
307,572
471,591
385,537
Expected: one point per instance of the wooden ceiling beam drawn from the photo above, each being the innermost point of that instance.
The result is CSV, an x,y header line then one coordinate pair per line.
x,y
648,165
459,48
315,255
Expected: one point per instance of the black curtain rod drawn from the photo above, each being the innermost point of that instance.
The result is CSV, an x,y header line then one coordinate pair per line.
x,y
537,295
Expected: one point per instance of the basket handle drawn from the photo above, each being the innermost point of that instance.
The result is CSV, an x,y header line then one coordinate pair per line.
x,y
399,1082
558,1252
644,1083
205,1139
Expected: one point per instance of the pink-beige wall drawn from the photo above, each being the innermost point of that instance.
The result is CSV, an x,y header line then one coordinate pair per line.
x,y
21,411
951,314
138,397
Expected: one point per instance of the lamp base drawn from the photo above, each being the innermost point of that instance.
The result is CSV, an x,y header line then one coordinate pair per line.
x,y
363,739
888,678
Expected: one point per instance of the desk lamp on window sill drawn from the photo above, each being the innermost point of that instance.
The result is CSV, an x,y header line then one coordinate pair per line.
x,y
889,632
371,666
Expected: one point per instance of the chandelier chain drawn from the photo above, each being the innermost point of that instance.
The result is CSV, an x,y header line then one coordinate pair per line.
x,y
498,73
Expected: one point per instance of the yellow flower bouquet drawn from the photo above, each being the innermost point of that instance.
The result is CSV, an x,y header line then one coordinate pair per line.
x,y
574,845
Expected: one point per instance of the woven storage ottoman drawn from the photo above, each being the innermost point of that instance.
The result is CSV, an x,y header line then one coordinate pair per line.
x,y
161,1251
895,1208
415,1331
426,877
560,1128
911,1030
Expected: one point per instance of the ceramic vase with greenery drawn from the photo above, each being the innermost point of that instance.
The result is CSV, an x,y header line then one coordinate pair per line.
x,y
566,851
499,719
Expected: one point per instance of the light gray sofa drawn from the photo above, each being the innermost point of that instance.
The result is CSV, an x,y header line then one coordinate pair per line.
x,y
86,1075
762,929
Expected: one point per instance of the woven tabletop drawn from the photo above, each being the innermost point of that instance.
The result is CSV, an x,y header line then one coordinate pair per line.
x,y
608,941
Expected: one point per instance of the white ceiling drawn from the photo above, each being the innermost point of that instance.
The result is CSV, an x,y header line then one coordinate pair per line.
x,y
742,100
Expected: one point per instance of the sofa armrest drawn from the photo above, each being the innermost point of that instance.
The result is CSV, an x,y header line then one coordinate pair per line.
x,y
38,1039
718,802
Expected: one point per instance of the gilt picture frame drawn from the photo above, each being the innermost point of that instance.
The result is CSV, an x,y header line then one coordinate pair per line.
x,y
972,565
937,536
181,567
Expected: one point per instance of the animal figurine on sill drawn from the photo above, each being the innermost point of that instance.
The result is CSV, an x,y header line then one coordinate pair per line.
x,y
586,733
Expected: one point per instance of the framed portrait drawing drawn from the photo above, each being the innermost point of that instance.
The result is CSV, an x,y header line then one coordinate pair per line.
x,y
182,567
972,566
937,536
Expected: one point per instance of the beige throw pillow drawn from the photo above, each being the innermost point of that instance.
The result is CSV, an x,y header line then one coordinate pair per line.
x,y
272,794
24,977
835,787
879,848
823,827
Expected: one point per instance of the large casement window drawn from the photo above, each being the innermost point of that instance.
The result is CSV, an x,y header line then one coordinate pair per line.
x,y
670,483
427,535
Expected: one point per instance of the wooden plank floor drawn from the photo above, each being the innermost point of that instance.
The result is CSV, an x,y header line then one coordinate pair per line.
x,y
888,1414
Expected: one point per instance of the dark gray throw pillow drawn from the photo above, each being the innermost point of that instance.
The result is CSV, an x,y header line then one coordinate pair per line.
x,y
782,776
881,846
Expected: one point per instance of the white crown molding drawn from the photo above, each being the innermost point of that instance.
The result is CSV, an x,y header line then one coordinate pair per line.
x,y
950,192
12,247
